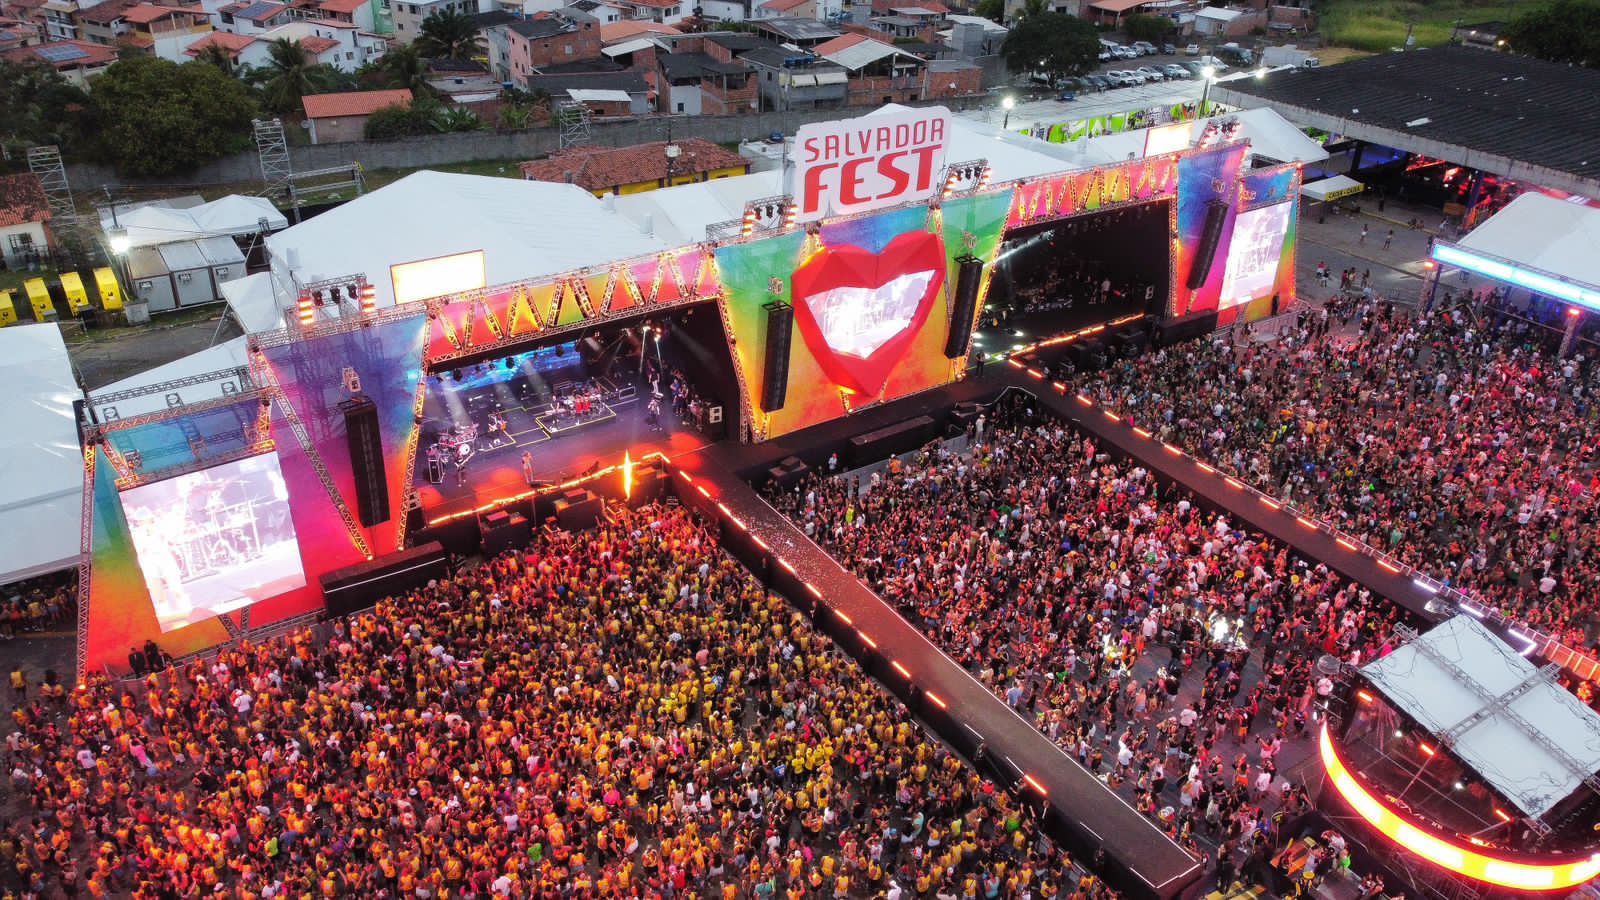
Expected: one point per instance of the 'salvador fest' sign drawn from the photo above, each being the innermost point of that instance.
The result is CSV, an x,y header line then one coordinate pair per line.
x,y
869,163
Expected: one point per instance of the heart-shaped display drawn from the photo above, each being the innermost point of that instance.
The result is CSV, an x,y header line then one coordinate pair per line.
x,y
858,311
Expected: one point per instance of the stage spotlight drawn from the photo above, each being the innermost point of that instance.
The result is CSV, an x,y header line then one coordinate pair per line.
x,y
350,291
511,362
456,374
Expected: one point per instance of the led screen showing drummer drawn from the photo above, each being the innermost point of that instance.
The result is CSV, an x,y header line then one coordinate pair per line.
x,y
214,541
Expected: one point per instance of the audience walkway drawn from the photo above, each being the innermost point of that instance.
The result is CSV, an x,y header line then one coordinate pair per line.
x,y
1092,808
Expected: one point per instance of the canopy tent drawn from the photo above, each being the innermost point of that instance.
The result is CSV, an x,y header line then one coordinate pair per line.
x,y
1270,136
1507,718
229,216
1331,188
41,500
237,214
224,360
1539,243
253,302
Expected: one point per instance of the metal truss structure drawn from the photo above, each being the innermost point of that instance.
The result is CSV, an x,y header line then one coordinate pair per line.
x,y
46,165
272,146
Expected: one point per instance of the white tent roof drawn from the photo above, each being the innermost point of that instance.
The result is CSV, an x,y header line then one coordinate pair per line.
x,y
1219,14
228,355
1422,679
526,229
583,95
1540,232
238,214
231,215
253,302
1338,186
41,500
989,25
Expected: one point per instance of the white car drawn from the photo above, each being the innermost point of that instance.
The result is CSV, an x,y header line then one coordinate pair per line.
x,y
1119,79
1192,50
1151,73
1174,71
1134,76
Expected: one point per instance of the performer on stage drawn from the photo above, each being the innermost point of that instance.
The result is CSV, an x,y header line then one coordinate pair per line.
x,y
527,467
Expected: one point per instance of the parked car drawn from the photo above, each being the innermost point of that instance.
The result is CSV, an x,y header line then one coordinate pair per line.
x,y
1192,50
1151,73
1134,76
1098,82
1105,55
1173,70
1145,48
1127,53
1169,49
1067,96
1119,79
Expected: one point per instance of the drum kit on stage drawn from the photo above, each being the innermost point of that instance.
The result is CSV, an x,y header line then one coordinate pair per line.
x,y
453,448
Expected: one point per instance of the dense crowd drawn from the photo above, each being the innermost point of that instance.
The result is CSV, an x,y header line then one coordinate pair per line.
x,y
622,712
1455,441
38,604
1084,594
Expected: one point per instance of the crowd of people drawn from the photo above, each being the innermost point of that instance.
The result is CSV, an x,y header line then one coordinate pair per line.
x,y
38,604
615,713
1170,652
1454,440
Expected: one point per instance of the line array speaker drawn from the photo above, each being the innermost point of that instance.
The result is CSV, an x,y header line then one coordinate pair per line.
x,y
1210,236
366,459
969,276
775,378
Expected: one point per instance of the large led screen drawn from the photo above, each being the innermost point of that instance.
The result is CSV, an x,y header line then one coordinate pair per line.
x,y
1255,254
214,541
873,306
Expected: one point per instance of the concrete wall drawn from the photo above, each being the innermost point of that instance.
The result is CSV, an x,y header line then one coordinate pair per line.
x,y
244,169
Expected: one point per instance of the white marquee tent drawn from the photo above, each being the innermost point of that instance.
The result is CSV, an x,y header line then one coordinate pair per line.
x,y
229,216
41,504
1547,235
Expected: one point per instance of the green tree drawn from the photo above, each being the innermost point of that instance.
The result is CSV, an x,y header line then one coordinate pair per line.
x,y
216,55
1153,29
1033,8
993,10
404,67
291,73
448,34
456,119
1054,43
38,106
161,118
397,121
1567,31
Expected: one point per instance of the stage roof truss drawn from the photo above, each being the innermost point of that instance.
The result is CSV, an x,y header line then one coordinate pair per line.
x,y
1523,733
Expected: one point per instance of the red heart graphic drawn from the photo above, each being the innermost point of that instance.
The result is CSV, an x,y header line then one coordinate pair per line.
x,y
858,312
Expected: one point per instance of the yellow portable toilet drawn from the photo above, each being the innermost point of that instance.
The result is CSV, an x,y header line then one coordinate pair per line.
x,y
77,297
39,295
8,307
110,291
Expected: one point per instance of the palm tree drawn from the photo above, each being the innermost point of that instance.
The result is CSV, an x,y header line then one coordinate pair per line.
x,y
216,55
404,67
448,34
287,76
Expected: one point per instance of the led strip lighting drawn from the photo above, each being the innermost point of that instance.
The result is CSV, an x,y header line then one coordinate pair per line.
x,y
1538,282
1415,839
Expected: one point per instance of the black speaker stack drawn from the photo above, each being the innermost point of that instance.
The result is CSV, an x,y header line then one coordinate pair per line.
x,y
502,530
964,307
1210,236
366,459
359,586
775,378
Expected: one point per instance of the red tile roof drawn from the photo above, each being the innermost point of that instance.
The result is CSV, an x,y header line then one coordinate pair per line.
x,y
105,13
353,103
784,5
22,200
317,45
603,168
93,55
347,7
839,43
228,41
621,31
145,13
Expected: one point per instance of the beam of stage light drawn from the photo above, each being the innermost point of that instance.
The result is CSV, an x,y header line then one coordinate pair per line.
x,y
627,476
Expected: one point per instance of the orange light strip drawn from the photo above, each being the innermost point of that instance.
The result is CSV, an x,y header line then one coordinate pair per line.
x,y
785,564
936,701
1390,566
1269,503
1171,449
1305,521
513,498
703,492
1346,544
1035,785
813,589
901,669
1233,482
866,640
1085,400
1445,854
1426,750
1365,697
1140,432
847,619
1204,467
